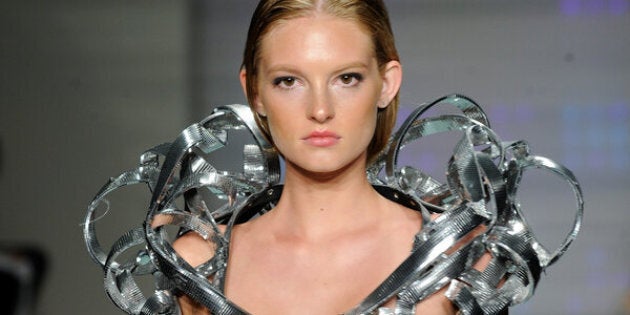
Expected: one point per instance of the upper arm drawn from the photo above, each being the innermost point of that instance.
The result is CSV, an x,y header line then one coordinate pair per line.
x,y
195,250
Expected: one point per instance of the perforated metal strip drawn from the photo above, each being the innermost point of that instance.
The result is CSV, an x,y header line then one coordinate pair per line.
x,y
483,177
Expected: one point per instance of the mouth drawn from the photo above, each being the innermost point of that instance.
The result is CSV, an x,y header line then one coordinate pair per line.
x,y
322,138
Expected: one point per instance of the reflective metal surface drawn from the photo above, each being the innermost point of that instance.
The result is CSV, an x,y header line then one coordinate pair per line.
x,y
483,177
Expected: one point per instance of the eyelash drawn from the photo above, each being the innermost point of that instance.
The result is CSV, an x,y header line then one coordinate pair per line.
x,y
356,76
277,82
280,80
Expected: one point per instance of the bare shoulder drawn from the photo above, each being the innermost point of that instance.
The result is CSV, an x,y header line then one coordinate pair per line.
x,y
194,249
404,218
409,223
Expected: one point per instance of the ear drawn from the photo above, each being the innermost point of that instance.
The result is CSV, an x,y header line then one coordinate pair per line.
x,y
257,106
392,79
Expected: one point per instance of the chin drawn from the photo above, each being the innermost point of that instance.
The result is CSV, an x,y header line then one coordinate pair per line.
x,y
328,167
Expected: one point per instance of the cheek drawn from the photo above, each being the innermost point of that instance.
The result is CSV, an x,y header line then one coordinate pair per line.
x,y
362,122
283,110
272,125
372,125
280,127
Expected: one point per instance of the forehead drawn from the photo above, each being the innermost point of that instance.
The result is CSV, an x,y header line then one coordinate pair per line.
x,y
316,37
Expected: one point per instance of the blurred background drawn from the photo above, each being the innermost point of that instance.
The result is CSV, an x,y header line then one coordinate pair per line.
x,y
87,86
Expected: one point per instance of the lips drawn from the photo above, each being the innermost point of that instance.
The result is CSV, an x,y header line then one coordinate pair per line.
x,y
322,138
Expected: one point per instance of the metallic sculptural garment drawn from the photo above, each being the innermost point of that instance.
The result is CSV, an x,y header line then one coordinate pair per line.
x,y
482,179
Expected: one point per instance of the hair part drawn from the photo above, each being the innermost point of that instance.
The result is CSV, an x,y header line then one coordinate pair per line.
x,y
371,15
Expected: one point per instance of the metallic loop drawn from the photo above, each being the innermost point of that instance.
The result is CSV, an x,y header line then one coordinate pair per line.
x,y
479,215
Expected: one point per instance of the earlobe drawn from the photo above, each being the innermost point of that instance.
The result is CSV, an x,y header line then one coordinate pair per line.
x,y
260,109
257,105
242,76
392,79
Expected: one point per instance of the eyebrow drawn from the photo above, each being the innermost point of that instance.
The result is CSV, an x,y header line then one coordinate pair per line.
x,y
290,68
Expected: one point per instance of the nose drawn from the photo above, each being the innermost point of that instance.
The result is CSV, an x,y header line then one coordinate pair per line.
x,y
321,108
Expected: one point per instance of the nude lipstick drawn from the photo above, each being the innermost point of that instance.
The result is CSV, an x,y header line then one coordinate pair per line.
x,y
322,138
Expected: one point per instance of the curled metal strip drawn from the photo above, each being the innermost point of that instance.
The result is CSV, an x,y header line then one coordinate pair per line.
x,y
469,169
182,170
163,252
193,136
516,170
479,179
118,281
241,116
162,302
469,109
185,277
483,176
224,117
141,175
434,239
441,274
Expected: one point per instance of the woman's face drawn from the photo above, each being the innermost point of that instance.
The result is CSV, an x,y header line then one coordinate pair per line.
x,y
319,85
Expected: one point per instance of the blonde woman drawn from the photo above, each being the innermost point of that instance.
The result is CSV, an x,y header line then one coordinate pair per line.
x,y
322,78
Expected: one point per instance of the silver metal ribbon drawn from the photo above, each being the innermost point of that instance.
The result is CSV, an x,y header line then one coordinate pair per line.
x,y
483,176
184,170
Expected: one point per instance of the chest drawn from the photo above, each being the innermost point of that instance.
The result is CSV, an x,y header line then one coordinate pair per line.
x,y
316,279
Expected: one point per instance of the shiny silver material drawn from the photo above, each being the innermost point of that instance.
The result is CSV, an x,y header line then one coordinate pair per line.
x,y
483,177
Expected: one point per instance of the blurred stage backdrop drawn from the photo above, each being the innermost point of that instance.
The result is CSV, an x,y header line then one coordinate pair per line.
x,y
86,86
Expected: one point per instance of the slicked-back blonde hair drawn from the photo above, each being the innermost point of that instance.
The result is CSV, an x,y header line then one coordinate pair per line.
x,y
371,15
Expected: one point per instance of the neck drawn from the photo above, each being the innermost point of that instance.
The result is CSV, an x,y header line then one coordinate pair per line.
x,y
313,205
